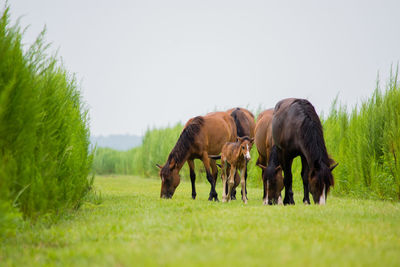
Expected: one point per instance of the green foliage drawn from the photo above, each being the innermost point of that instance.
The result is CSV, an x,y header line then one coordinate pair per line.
x,y
366,143
44,136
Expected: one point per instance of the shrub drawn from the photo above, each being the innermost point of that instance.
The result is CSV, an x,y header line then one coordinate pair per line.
x,y
44,136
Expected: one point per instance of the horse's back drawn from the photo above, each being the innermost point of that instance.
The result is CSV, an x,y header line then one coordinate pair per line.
x,y
263,138
244,121
219,128
288,120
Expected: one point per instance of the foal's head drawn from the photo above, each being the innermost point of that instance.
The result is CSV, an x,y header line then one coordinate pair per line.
x,y
320,180
245,146
170,179
273,183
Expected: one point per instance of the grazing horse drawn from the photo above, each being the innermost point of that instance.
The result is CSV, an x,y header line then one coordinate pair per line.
x,y
297,131
268,159
234,157
201,136
245,126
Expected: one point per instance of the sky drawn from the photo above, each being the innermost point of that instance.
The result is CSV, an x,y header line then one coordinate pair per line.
x,y
145,64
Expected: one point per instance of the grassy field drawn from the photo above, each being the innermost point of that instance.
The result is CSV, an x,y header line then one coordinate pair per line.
x,y
134,227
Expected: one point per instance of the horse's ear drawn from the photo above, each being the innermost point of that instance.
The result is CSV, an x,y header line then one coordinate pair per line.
x,y
172,164
278,168
159,166
239,139
261,166
334,166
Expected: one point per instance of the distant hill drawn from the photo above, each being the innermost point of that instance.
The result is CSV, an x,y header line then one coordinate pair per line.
x,y
117,141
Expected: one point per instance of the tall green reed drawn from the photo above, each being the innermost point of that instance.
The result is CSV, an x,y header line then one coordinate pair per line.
x,y
44,135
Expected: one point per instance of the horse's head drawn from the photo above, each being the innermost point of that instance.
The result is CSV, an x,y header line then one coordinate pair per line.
x,y
170,179
320,181
273,183
245,146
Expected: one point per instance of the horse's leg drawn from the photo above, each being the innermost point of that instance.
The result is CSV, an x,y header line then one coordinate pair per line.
x,y
245,179
214,170
224,179
265,187
210,178
304,175
236,180
231,181
233,192
192,177
243,183
287,180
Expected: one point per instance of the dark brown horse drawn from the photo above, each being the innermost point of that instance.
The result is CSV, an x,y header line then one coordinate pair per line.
x,y
201,136
245,126
297,131
268,159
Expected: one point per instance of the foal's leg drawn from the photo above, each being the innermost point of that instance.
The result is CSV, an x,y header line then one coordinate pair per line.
x,y
192,177
210,178
304,174
233,192
231,181
224,179
243,183
287,180
245,179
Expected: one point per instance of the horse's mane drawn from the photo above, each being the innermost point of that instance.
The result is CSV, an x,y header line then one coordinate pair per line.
x,y
182,146
239,116
313,137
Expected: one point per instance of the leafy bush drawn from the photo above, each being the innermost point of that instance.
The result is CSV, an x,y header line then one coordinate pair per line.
x,y
44,136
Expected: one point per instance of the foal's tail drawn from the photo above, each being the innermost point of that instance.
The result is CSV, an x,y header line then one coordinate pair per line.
x,y
214,156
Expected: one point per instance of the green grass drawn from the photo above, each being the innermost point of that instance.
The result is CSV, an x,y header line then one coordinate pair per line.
x,y
134,227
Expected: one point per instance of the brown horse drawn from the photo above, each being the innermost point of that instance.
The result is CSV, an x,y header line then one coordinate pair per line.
x,y
245,126
234,157
267,156
297,131
201,136
244,121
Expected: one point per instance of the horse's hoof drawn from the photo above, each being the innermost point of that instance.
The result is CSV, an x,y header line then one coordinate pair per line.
x,y
210,198
193,196
216,199
233,198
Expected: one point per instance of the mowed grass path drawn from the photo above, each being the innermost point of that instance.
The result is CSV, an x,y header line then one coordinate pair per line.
x,y
134,227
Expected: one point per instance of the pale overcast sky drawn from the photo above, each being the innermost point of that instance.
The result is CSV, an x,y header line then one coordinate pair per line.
x,y
153,63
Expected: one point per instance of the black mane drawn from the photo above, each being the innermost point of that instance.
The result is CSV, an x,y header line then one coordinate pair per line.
x,y
182,146
240,120
313,137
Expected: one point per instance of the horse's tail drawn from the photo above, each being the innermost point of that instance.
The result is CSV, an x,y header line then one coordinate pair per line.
x,y
214,156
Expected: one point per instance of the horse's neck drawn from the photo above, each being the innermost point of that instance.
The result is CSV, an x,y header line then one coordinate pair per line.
x,y
311,160
273,157
181,162
237,155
